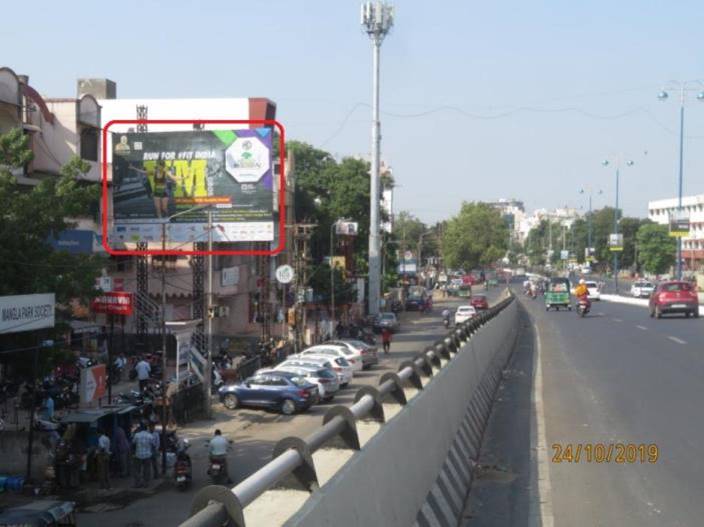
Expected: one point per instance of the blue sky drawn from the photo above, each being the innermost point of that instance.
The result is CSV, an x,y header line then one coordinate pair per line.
x,y
481,100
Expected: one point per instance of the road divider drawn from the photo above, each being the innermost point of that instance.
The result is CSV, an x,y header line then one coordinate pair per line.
x,y
401,453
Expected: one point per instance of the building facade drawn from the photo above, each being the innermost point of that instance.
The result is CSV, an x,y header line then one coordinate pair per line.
x,y
663,210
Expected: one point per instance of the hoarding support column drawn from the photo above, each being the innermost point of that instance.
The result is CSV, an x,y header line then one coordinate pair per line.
x,y
33,403
210,313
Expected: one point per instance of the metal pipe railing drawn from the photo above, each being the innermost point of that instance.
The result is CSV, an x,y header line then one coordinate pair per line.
x,y
215,513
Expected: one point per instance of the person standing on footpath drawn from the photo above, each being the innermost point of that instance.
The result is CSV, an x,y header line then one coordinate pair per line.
x,y
103,459
143,370
143,443
122,451
386,339
155,450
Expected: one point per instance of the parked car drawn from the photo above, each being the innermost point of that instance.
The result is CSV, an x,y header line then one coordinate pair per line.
x,y
368,352
674,297
339,365
642,289
464,313
284,391
353,357
386,320
593,292
479,302
323,378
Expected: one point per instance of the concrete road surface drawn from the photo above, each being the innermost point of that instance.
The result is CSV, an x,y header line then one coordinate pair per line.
x,y
616,377
255,432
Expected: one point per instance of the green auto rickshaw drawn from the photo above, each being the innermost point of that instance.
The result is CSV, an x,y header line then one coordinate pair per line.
x,y
557,294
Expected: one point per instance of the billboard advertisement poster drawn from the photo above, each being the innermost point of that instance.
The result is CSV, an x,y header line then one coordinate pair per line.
x,y
26,312
616,242
178,177
93,383
113,303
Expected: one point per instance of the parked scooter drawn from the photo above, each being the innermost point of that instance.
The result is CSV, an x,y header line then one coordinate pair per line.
x,y
183,469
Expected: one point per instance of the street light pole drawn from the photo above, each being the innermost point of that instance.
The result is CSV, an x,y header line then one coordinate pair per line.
x,y
616,232
684,87
377,19
618,175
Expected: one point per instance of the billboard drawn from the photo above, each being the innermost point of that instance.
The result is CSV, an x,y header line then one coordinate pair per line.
x,y
26,312
177,178
616,242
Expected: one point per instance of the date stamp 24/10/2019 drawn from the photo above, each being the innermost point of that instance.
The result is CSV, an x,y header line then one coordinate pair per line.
x,y
621,453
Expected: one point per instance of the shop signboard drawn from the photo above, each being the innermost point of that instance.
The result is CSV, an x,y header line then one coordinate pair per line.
x,y
26,312
158,175
113,303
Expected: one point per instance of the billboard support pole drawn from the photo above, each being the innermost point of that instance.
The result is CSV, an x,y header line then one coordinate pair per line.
x,y
163,350
30,439
112,339
209,364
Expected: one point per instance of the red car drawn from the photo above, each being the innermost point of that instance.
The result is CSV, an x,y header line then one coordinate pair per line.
x,y
479,302
674,297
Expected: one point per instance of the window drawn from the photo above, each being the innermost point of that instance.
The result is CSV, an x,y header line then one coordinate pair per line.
x,y
89,144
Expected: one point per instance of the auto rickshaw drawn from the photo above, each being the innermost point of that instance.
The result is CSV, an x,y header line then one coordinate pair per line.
x,y
42,513
557,294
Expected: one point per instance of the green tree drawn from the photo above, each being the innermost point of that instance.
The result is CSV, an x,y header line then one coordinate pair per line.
x,y
475,237
656,248
29,216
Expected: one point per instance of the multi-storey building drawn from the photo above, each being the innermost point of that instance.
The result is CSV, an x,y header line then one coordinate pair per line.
x,y
664,210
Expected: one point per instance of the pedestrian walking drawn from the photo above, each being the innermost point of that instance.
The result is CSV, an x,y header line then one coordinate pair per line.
x,y
155,450
386,339
143,443
103,460
122,451
143,370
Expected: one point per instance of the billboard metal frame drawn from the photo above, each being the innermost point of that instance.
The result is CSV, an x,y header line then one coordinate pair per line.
x,y
159,252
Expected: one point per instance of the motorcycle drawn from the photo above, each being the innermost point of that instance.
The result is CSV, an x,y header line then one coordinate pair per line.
x,y
583,307
183,468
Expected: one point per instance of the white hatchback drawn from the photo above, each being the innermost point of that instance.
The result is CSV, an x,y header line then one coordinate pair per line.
x,y
593,292
642,289
464,313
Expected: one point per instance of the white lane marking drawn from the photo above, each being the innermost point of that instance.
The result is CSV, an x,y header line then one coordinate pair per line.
x,y
544,497
617,320
675,339
642,327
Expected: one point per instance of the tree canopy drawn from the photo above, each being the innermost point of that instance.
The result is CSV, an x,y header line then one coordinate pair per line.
x,y
475,237
656,248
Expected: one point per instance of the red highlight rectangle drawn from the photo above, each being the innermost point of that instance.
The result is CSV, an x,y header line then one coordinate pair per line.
x,y
159,252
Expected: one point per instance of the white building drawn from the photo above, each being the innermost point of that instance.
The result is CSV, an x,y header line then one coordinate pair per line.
x,y
241,283
661,211
514,211
563,215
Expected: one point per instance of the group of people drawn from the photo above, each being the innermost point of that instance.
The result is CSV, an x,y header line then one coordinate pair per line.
x,y
139,454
